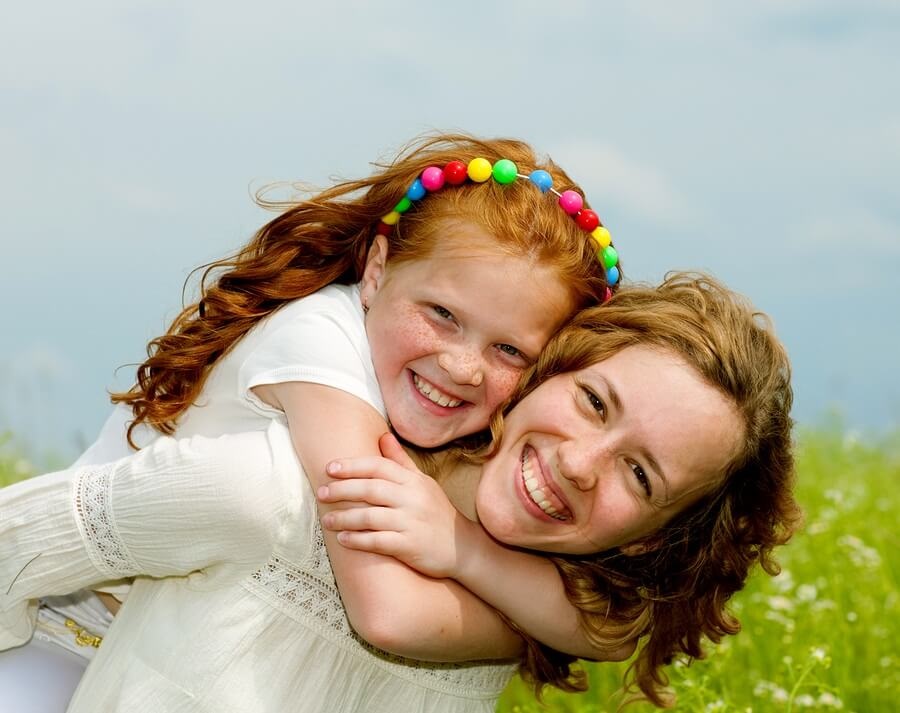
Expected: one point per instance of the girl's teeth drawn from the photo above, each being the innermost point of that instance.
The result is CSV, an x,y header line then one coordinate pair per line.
x,y
433,394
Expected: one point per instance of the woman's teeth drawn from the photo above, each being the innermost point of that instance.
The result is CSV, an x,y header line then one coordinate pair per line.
x,y
535,492
434,394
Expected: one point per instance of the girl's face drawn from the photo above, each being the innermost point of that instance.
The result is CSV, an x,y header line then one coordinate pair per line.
x,y
451,333
599,458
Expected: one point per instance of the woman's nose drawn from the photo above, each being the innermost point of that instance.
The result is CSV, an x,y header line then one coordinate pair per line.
x,y
463,366
583,460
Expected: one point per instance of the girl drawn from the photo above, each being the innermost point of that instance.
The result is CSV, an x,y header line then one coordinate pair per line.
x,y
603,402
279,332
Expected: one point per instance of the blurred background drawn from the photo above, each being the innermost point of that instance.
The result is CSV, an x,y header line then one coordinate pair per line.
x,y
760,141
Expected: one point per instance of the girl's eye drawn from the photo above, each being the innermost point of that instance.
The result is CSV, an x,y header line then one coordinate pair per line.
x,y
510,349
642,478
442,312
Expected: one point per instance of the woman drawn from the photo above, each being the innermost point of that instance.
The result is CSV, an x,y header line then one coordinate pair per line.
x,y
219,638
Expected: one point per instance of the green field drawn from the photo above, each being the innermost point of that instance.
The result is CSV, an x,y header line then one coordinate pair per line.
x,y
820,637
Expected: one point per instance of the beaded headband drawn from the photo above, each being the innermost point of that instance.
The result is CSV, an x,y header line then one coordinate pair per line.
x,y
504,172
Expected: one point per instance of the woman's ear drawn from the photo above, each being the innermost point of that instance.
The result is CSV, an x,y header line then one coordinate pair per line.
x,y
373,274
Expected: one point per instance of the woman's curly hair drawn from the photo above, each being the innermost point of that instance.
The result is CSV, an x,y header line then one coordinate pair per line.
x,y
674,593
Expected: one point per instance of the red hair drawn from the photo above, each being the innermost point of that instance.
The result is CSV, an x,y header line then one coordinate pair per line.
x,y
325,238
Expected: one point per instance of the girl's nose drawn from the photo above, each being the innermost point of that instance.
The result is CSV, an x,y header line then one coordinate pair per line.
x,y
463,367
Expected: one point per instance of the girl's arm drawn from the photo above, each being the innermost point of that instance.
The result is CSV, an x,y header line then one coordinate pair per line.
x,y
409,517
175,507
389,604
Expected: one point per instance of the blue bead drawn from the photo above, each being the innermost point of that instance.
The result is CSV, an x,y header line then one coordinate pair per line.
x,y
612,276
541,179
416,191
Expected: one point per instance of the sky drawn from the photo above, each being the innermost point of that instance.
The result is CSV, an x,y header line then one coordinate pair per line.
x,y
758,141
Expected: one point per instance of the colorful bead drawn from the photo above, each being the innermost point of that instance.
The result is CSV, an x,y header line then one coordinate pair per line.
x,y
505,171
609,256
587,219
602,236
416,191
403,205
541,179
432,178
455,173
479,170
571,202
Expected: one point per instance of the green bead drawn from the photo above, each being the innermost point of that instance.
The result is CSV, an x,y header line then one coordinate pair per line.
x,y
610,257
403,205
505,171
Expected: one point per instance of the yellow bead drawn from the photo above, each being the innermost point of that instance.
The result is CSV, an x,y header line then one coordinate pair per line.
x,y
480,170
391,218
602,236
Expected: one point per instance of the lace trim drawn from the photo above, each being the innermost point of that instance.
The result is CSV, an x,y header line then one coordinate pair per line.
x,y
309,596
93,513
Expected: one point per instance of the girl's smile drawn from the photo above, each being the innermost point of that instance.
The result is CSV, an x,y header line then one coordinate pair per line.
x,y
451,333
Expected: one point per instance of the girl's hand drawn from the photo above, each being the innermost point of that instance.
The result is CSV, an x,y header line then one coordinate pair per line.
x,y
399,512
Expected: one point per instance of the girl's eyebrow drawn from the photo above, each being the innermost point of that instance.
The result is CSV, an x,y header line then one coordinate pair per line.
x,y
616,401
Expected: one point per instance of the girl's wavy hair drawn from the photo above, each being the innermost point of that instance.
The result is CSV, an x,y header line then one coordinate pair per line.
x,y
325,238
676,591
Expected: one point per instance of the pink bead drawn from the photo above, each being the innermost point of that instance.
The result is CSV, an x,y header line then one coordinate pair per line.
x,y
571,202
432,178
587,220
607,296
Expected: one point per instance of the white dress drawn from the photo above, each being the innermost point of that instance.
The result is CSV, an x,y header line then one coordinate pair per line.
x,y
207,626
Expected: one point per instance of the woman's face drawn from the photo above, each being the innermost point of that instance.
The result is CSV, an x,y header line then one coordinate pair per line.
x,y
599,458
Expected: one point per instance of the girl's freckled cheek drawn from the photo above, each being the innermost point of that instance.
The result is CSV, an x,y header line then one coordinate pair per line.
x,y
503,384
412,329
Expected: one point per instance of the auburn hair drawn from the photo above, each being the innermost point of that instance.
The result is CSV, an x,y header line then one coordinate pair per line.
x,y
675,592
325,238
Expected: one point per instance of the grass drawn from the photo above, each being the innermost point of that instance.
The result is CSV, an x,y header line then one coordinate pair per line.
x,y
822,635
819,637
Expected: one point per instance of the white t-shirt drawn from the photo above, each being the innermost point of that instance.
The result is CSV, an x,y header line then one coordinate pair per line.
x,y
205,627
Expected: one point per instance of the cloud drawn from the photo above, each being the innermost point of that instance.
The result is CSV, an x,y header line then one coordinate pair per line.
x,y
610,177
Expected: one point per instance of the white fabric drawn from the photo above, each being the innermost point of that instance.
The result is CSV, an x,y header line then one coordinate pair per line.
x,y
212,628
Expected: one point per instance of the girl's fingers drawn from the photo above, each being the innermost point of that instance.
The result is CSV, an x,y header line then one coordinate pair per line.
x,y
366,467
391,448
371,491
382,543
357,519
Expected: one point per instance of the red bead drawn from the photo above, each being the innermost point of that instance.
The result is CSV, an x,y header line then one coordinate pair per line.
x,y
455,173
384,229
607,296
587,219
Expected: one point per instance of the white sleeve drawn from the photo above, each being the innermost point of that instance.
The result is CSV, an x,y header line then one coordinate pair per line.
x,y
176,507
321,345
112,442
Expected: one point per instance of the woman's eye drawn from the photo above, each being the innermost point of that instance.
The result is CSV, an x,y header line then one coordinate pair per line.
x,y
596,402
442,312
642,478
